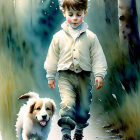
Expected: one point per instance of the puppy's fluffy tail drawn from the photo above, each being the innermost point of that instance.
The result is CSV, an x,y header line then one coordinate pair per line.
x,y
29,95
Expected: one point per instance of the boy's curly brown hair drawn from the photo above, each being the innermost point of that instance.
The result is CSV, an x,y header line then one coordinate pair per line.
x,y
75,4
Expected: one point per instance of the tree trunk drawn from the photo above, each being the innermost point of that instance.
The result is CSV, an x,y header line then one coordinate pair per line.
x,y
111,13
130,43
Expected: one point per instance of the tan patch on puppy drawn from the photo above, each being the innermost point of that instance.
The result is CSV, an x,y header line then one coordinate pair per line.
x,y
32,107
49,108
37,107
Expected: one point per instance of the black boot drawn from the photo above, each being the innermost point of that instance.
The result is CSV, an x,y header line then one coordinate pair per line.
x,y
66,137
78,136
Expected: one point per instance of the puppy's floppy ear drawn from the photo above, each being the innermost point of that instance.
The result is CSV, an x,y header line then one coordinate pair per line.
x,y
53,106
32,107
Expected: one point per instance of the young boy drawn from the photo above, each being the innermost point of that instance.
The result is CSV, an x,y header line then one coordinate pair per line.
x,y
75,52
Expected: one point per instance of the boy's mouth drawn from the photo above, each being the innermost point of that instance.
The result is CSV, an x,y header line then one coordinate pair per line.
x,y
75,23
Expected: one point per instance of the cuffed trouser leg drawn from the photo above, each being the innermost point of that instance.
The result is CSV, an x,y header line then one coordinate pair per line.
x,y
66,129
67,94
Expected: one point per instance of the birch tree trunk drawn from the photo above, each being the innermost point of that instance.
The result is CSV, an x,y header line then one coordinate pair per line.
x,y
130,43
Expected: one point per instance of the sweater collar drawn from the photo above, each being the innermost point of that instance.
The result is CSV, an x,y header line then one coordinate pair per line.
x,y
75,33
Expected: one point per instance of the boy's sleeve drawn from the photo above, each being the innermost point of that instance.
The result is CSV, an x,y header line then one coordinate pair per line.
x,y
99,64
52,58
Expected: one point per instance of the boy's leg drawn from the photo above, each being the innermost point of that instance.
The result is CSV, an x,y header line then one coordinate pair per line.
x,y
83,102
67,111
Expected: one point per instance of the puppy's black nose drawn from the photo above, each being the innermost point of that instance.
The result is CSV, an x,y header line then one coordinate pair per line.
x,y
44,117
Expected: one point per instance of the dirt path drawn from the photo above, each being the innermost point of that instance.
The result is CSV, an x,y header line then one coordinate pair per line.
x,y
93,132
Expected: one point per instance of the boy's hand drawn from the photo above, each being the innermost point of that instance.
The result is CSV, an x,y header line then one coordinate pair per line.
x,y
99,81
51,83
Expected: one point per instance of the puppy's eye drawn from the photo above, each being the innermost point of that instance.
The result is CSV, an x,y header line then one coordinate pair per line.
x,y
38,108
48,108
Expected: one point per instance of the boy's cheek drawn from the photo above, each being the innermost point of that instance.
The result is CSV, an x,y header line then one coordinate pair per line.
x,y
69,20
81,19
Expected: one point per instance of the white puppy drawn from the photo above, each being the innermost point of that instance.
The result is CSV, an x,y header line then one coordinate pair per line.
x,y
34,117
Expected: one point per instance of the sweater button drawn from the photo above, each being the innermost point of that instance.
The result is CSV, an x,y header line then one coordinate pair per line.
x,y
73,49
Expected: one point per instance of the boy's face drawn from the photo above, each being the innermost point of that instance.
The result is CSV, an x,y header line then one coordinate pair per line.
x,y
74,17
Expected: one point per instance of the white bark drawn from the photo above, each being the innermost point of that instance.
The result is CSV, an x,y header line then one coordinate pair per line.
x,y
124,14
128,26
130,43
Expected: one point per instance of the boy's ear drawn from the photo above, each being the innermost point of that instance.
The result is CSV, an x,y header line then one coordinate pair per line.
x,y
63,13
85,12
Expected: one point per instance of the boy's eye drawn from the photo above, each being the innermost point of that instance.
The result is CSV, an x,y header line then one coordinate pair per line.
x,y
70,15
79,14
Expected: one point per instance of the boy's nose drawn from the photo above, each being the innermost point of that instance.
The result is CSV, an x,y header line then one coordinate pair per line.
x,y
75,19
